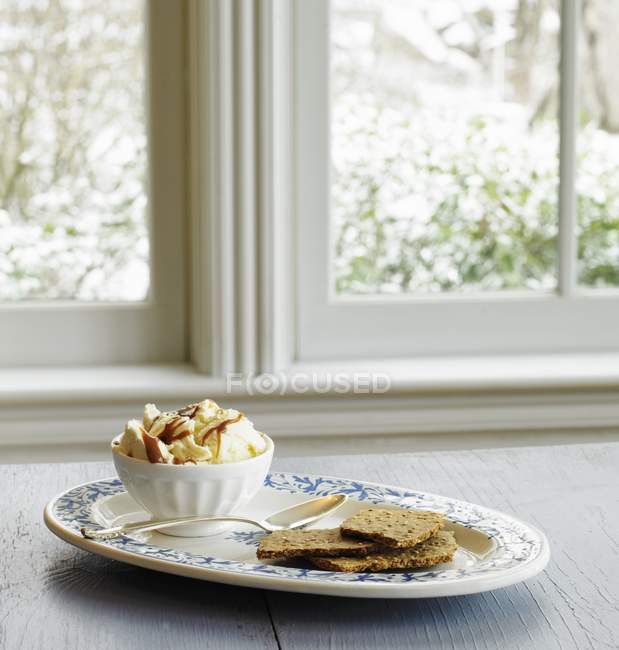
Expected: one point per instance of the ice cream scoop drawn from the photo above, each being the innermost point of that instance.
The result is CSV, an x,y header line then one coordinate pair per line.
x,y
198,433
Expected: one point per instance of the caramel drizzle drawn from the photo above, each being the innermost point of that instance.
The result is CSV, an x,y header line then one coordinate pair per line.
x,y
151,444
188,411
219,429
169,435
178,461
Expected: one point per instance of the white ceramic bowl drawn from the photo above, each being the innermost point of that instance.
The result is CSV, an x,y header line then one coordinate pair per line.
x,y
168,491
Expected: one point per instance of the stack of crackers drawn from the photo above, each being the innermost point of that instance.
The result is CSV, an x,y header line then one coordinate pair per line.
x,y
375,539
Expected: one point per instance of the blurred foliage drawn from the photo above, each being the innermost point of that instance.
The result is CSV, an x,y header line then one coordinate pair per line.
x,y
444,138
73,154
436,211
445,150
597,196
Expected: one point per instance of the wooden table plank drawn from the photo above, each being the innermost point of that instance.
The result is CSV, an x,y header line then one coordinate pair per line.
x,y
58,597
55,596
571,492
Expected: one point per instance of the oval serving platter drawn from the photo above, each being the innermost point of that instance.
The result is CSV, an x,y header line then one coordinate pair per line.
x,y
496,550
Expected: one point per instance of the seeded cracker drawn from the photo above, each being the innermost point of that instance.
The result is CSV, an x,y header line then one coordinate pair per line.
x,y
299,543
439,548
394,528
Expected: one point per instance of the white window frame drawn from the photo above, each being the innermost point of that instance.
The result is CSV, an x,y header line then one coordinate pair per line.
x,y
72,332
246,251
241,186
330,327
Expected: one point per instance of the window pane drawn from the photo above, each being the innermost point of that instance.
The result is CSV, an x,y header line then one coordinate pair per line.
x,y
444,145
598,146
73,156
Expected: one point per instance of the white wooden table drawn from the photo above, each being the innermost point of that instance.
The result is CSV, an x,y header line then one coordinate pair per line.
x,y
55,596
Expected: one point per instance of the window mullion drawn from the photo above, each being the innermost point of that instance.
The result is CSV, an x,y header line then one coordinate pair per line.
x,y
246,191
275,37
568,126
212,174
241,178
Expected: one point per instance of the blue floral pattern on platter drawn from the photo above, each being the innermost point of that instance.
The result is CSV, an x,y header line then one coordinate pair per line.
x,y
248,537
517,543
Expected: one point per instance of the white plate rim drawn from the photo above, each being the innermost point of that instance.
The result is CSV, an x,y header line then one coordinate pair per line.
x,y
461,585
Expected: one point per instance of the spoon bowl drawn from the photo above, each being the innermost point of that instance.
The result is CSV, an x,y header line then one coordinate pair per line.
x,y
303,514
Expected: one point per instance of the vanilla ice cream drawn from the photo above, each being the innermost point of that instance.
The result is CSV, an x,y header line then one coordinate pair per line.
x,y
196,434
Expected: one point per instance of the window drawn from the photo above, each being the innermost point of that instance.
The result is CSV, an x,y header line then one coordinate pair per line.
x,y
91,243
597,147
444,146
74,181
456,178
368,179
319,224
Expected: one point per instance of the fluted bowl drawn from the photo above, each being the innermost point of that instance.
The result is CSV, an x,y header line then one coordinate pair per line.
x,y
169,491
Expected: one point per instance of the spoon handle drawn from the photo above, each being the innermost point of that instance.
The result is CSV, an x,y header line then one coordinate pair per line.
x,y
151,524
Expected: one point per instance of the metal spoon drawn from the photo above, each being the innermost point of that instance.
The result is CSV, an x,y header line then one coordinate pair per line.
x,y
296,516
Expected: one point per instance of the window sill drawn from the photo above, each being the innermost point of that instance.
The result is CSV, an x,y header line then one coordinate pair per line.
x,y
484,373
88,404
87,384
103,384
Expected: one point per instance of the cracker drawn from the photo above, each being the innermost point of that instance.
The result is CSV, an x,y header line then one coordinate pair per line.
x,y
394,528
439,548
298,543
